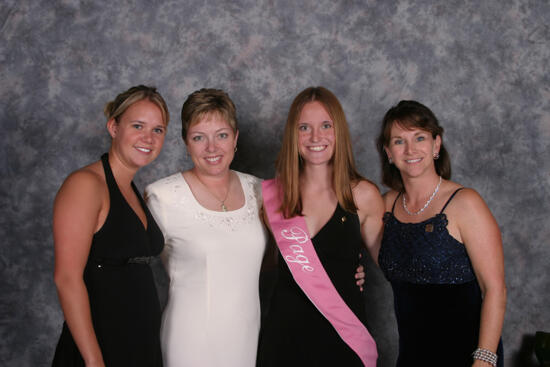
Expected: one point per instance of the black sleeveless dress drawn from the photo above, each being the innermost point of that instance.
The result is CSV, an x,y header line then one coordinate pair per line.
x,y
123,299
437,298
294,332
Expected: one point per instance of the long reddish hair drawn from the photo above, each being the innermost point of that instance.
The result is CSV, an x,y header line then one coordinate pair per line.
x,y
289,164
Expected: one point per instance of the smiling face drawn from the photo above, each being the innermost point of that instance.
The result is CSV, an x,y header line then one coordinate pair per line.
x,y
211,144
315,134
412,150
139,134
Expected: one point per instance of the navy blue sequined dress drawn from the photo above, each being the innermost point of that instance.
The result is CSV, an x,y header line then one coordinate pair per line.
x,y
437,298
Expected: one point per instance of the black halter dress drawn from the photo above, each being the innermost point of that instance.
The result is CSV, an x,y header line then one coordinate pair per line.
x,y
123,298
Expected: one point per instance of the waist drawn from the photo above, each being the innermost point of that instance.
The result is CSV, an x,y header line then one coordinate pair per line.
x,y
104,261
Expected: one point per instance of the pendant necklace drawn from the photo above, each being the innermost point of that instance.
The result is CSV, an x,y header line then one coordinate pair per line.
x,y
222,202
425,205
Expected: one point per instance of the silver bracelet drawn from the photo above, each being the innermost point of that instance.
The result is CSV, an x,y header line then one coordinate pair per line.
x,y
485,356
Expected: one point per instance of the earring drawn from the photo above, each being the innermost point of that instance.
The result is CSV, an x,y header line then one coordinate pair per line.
x,y
390,161
436,156
235,150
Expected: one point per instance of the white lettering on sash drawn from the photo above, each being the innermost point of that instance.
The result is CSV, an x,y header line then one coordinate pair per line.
x,y
300,236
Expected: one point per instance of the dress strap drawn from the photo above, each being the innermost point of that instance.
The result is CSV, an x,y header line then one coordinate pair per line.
x,y
395,201
451,198
109,178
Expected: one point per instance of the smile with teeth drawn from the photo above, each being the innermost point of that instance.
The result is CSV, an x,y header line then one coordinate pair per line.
x,y
213,159
144,150
317,148
413,160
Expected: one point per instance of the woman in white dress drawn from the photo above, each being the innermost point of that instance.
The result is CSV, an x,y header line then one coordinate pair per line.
x,y
214,243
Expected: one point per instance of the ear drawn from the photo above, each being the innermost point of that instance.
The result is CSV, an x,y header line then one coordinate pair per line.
x,y
112,127
236,138
387,152
437,144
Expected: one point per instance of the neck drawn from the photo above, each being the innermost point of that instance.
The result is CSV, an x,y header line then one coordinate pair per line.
x,y
318,176
123,174
213,182
419,188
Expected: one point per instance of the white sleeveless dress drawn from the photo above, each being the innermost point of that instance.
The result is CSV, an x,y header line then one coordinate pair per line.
x,y
213,260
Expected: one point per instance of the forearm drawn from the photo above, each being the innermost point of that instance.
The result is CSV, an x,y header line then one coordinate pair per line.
x,y
492,318
73,298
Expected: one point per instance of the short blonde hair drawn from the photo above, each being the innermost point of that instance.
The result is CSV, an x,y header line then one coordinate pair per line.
x,y
204,102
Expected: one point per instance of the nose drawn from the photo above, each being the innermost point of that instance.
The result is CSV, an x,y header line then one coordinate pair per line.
x,y
315,134
408,148
210,146
147,136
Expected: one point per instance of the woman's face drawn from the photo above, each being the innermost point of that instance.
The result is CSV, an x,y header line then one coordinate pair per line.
x,y
412,150
315,134
139,135
211,144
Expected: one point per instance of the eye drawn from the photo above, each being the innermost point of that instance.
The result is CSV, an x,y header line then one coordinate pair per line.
x,y
197,138
223,135
137,126
421,138
397,141
158,130
303,127
327,125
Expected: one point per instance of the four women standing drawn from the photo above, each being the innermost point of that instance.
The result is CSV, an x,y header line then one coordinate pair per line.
x,y
441,248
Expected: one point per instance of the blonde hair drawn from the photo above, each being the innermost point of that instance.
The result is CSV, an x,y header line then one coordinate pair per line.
x,y
289,164
116,108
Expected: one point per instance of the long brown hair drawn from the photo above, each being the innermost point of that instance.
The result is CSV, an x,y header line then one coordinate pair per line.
x,y
410,115
289,164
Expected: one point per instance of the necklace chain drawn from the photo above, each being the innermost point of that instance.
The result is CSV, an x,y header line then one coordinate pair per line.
x,y
222,206
425,205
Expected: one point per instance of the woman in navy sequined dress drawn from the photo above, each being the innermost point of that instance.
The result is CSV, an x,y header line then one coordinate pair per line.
x,y
441,250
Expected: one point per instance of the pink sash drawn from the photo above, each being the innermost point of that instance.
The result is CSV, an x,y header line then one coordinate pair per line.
x,y
296,248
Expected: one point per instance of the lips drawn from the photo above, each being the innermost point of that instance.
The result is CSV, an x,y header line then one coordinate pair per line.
x,y
413,160
213,160
317,148
143,150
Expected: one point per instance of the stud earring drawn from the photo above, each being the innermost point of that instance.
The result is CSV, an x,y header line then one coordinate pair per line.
x,y
436,156
390,161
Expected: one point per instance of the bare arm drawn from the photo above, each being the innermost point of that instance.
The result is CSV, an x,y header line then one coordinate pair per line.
x,y
75,219
371,210
480,234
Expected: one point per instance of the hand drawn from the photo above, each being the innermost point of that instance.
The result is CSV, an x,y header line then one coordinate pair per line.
x,y
360,276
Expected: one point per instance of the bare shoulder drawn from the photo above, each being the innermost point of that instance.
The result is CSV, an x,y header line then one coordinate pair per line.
x,y
467,199
367,197
364,191
86,182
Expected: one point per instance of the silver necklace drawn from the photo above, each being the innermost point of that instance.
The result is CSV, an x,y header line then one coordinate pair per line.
x,y
425,205
222,206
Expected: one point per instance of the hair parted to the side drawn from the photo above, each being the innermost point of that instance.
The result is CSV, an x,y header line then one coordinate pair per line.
x,y
204,102
410,115
289,164
116,108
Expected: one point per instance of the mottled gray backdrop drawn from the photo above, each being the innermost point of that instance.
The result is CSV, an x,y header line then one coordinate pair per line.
x,y
481,65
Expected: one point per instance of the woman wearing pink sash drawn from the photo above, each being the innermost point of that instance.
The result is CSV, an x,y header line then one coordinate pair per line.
x,y
317,183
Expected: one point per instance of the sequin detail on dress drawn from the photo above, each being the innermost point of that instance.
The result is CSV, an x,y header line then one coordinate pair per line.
x,y
423,253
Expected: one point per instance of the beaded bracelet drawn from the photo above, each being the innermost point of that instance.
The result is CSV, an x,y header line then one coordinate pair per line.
x,y
485,356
